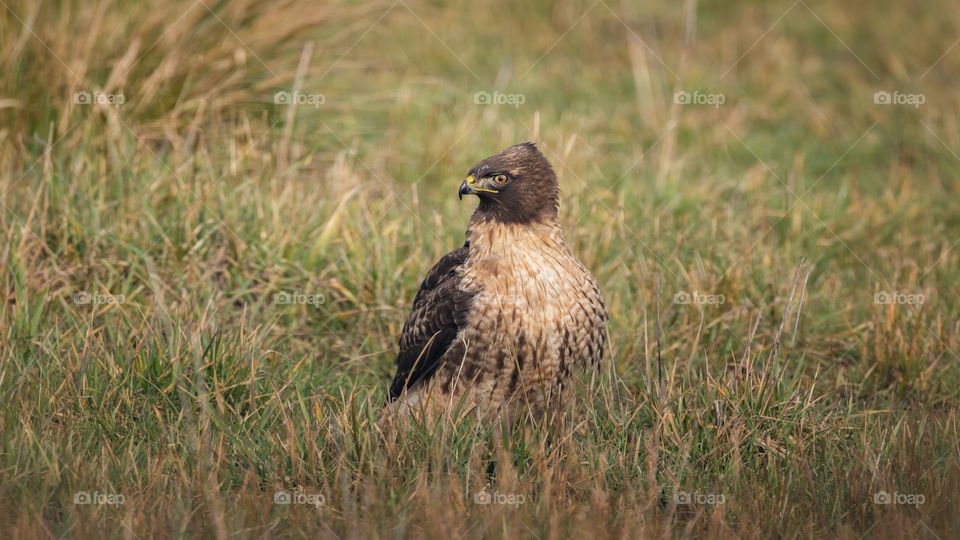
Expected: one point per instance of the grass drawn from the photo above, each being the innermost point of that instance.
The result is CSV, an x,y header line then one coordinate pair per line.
x,y
145,353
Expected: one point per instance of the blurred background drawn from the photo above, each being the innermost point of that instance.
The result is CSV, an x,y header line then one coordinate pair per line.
x,y
214,217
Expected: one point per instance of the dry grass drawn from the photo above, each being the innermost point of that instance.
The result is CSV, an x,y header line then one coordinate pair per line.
x,y
144,351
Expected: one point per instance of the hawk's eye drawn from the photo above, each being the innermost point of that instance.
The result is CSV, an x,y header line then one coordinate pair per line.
x,y
501,180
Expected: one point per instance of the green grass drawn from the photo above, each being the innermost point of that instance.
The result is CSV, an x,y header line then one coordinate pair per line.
x,y
187,388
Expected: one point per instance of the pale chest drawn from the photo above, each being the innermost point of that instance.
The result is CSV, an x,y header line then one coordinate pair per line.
x,y
533,297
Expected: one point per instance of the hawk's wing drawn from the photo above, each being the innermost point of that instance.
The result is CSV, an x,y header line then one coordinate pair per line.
x,y
439,312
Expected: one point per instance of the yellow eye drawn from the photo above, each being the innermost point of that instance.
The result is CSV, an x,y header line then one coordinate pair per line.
x,y
500,179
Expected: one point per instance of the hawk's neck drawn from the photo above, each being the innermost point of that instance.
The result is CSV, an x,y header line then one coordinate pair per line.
x,y
494,238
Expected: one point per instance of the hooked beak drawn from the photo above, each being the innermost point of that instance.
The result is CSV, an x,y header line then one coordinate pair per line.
x,y
470,186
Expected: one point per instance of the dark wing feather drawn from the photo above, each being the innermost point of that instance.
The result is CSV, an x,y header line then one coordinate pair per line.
x,y
439,312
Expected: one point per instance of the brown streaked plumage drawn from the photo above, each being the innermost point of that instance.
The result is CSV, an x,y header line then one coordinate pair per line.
x,y
507,319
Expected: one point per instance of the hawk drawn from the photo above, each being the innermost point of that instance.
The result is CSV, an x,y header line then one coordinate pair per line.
x,y
504,321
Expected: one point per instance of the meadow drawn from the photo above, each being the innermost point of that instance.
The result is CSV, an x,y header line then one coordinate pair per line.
x,y
214,217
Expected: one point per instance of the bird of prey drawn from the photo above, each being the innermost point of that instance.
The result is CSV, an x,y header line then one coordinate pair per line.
x,y
502,323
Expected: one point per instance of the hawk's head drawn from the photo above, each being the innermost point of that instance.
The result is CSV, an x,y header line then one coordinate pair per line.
x,y
516,185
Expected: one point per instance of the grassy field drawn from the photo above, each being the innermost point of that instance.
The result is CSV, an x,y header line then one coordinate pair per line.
x,y
214,217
